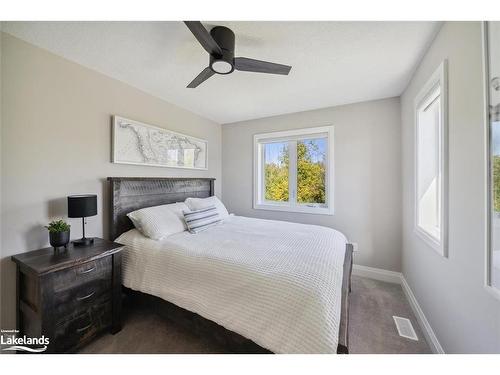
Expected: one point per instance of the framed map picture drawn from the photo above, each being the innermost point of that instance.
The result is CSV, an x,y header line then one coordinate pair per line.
x,y
143,144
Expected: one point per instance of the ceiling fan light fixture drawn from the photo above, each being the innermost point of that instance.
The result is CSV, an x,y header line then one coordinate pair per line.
x,y
219,43
221,67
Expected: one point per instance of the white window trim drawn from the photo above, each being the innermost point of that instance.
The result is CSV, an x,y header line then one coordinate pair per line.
x,y
492,290
439,77
258,161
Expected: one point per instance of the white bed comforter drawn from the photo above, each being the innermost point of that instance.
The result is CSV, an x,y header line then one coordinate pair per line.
x,y
276,283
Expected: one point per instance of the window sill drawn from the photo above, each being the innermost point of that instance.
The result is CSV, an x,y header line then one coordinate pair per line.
x,y
297,209
492,291
430,241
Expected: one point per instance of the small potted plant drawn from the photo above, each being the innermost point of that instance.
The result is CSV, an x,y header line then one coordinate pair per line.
x,y
58,233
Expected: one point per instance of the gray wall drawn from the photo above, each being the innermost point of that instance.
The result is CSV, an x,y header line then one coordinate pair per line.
x,y
56,139
464,316
367,174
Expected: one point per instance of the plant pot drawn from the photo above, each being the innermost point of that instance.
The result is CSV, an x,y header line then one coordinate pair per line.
x,y
58,239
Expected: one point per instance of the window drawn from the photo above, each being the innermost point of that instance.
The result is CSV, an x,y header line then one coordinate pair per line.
x,y
492,91
294,171
431,162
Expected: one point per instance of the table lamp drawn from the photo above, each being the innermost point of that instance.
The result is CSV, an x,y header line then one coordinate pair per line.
x,y
82,206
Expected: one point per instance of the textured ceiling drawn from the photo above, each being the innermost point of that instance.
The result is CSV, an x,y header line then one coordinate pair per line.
x,y
333,63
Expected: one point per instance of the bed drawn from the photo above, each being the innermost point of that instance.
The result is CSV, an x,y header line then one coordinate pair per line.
x,y
257,286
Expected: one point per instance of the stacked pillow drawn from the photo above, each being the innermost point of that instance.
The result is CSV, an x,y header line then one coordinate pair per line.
x,y
160,221
195,214
202,219
199,203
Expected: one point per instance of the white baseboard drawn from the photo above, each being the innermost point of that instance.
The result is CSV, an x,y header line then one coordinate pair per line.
x,y
377,274
422,320
398,278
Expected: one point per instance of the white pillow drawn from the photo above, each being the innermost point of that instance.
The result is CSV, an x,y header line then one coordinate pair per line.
x,y
160,221
196,204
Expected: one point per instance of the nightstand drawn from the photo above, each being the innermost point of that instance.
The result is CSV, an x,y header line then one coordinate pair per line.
x,y
69,296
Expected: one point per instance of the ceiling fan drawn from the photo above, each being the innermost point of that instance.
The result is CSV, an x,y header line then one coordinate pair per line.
x,y
219,44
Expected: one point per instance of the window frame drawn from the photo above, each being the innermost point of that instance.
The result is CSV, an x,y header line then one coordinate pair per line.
x,y
489,202
438,78
293,136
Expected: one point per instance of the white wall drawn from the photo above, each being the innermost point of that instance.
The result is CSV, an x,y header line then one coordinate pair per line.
x,y
367,174
465,318
56,141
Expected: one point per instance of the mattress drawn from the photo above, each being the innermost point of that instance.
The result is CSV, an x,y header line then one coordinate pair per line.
x,y
273,282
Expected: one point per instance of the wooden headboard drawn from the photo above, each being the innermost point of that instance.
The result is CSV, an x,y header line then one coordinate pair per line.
x,y
128,194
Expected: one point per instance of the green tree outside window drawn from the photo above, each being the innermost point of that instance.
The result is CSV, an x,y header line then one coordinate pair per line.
x,y
311,174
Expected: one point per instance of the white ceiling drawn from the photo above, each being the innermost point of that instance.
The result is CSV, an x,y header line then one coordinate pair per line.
x,y
333,63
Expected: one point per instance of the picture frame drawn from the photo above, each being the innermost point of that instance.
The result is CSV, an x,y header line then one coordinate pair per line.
x,y
137,143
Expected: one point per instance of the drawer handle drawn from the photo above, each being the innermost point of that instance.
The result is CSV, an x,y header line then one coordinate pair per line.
x,y
87,271
85,297
80,330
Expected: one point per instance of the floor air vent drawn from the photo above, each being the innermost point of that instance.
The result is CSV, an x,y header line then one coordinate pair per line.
x,y
405,328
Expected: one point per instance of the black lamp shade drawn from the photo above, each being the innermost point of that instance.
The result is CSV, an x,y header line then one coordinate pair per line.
x,y
82,205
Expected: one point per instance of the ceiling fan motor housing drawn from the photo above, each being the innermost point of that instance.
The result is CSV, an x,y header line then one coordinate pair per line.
x,y
225,39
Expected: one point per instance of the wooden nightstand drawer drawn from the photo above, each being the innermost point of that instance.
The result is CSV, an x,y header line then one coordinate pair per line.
x,y
80,329
96,270
79,298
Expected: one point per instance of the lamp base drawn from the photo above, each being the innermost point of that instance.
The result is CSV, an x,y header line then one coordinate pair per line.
x,y
83,242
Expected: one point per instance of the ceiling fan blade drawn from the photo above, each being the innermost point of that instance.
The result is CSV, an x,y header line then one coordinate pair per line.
x,y
259,66
200,78
204,37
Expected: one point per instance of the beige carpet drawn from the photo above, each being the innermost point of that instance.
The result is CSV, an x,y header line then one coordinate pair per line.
x,y
371,328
